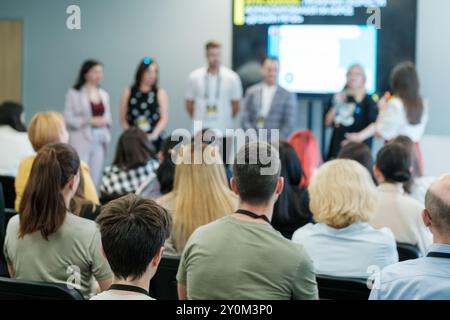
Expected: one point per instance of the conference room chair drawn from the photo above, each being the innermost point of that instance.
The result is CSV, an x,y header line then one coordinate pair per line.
x,y
408,251
163,286
9,191
12,289
335,288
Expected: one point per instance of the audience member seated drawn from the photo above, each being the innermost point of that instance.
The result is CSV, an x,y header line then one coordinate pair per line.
x,y
342,243
82,207
418,184
200,194
14,141
45,242
241,256
361,153
46,128
133,232
161,184
396,210
292,208
426,278
134,164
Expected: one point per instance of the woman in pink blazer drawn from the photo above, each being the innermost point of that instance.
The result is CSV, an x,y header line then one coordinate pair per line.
x,y
88,117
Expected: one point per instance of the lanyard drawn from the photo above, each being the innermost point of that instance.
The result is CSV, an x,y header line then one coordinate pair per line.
x,y
438,255
253,215
123,287
207,86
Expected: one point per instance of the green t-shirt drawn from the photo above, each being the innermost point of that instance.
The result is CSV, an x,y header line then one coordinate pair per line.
x,y
74,247
232,259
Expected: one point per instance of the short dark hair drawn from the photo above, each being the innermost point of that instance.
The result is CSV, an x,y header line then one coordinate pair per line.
x,y
394,161
10,115
133,149
253,185
212,45
133,230
360,152
439,210
271,58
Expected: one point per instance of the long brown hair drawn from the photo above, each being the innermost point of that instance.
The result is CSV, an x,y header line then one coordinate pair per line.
x,y
405,83
42,207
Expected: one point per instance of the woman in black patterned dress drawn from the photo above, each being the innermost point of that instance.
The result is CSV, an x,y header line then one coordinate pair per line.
x,y
144,105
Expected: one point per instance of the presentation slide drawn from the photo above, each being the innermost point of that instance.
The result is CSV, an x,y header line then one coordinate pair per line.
x,y
314,59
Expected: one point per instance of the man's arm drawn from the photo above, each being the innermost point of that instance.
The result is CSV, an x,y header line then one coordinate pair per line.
x,y
182,292
190,107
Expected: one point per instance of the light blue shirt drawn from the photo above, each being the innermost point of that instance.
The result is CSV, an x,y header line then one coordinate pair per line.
x,y
348,252
421,279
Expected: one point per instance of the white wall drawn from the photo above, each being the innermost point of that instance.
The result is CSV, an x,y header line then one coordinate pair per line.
x,y
433,62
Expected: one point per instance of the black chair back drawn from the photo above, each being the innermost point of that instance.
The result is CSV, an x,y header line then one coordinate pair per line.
x,y
408,251
335,288
9,191
12,289
163,286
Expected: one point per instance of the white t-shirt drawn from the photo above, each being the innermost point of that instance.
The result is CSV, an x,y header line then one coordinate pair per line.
x,y
15,147
393,122
108,295
268,93
212,96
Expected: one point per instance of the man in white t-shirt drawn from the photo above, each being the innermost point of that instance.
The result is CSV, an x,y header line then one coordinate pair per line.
x,y
213,93
133,232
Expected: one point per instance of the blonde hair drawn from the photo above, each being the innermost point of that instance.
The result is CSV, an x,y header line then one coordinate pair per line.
x,y
342,193
201,194
45,128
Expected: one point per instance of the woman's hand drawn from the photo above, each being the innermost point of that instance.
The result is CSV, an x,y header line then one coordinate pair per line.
x,y
99,122
352,137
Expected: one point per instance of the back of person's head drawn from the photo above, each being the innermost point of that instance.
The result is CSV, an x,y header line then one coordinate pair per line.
x,y
166,170
291,167
11,114
342,193
256,173
416,168
133,150
405,83
133,232
394,163
287,207
200,190
307,148
45,128
437,204
55,171
359,152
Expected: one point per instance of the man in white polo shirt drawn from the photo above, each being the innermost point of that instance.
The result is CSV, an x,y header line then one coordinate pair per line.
x,y
214,93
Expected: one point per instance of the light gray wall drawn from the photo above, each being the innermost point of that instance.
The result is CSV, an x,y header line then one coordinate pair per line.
x,y
119,33
433,61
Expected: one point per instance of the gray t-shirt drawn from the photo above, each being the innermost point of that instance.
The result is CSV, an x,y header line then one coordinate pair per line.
x,y
74,247
232,259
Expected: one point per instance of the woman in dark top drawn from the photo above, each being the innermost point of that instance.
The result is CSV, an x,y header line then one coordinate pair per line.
x,y
145,105
352,113
292,208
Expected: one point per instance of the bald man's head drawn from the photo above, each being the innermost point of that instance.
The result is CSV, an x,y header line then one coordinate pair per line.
x,y
437,203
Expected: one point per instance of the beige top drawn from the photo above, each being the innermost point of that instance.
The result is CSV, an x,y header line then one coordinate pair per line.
x,y
71,255
403,215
